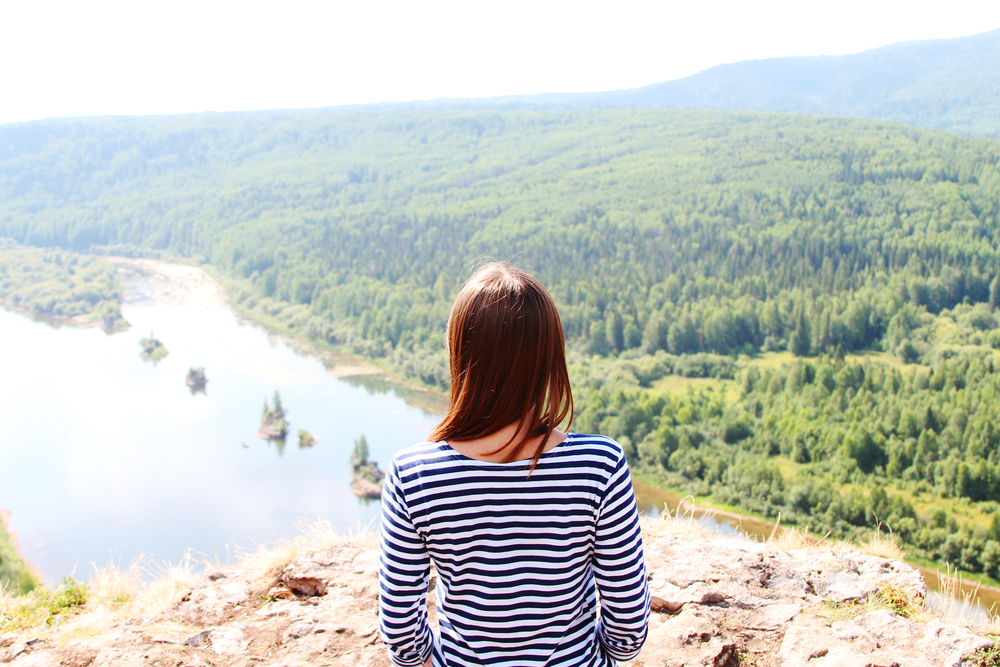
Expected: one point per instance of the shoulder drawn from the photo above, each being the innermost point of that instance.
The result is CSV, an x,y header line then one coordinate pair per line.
x,y
597,450
599,445
424,453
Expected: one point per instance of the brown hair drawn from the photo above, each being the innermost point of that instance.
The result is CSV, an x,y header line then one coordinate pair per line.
x,y
506,349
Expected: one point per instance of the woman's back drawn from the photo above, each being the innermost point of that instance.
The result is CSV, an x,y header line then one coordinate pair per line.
x,y
519,557
525,534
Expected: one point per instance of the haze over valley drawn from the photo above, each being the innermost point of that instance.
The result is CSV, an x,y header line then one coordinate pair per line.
x,y
779,279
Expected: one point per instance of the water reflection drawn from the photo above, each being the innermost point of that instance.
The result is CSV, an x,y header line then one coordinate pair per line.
x,y
430,403
654,501
279,445
108,452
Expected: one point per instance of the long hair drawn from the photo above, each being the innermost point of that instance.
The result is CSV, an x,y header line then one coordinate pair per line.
x,y
507,354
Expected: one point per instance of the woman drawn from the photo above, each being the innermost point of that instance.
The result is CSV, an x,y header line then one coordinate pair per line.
x,y
524,523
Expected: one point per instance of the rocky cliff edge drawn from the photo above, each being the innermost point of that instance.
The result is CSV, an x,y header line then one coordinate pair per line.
x,y
720,602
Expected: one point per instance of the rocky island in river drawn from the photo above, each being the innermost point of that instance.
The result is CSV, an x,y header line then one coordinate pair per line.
x,y
152,348
366,474
196,377
272,420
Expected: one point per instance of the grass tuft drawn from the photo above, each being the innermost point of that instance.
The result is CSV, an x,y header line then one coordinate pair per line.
x,y
900,600
365,536
888,596
791,539
879,545
682,521
984,657
958,605
168,584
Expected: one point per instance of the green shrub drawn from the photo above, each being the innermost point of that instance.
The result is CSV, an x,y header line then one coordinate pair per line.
x,y
44,607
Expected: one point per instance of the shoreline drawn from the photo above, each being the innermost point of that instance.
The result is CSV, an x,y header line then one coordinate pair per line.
x,y
194,285
55,321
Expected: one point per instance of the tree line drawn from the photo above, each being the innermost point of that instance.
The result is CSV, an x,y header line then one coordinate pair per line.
x,y
676,243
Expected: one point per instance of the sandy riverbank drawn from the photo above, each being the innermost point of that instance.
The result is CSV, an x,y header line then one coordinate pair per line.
x,y
192,287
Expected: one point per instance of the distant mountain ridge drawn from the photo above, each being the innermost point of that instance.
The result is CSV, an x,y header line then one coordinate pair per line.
x,y
943,84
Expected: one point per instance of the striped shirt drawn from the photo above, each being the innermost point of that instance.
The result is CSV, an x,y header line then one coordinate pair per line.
x,y
520,559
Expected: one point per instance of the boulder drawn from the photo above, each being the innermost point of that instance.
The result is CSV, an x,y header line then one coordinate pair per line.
x,y
716,603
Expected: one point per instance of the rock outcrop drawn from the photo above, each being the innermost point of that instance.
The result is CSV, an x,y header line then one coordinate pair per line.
x,y
747,603
717,603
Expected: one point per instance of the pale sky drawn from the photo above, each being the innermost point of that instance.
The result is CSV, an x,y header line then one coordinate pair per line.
x,y
73,58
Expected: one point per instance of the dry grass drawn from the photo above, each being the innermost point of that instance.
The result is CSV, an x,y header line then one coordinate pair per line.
x,y
877,544
145,588
682,521
792,539
142,589
958,601
171,583
364,537
992,625
265,563
881,546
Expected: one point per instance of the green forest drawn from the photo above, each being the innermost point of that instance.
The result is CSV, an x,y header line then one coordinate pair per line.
x,y
787,314
63,285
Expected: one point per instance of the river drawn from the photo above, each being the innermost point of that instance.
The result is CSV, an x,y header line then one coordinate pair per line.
x,y
108,457
105,456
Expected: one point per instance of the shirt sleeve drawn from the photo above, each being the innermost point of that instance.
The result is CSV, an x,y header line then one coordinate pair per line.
x,y
620,570
404,572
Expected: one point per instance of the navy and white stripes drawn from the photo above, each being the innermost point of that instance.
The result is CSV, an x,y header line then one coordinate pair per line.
x,y
520,559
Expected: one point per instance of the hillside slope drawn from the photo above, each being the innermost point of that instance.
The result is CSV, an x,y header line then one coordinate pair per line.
x,y
359,225
944,84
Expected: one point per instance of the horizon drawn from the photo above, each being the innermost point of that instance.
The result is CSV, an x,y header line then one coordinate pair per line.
x,y
114,59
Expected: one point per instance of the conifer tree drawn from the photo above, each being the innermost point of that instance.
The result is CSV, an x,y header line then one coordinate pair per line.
x,y
359,456
799,343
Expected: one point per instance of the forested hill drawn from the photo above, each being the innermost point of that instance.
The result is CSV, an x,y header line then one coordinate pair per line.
x,y
715,225
946,84
702,244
